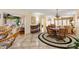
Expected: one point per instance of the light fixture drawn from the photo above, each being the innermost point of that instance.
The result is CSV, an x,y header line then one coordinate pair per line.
x,y
37,14
57,15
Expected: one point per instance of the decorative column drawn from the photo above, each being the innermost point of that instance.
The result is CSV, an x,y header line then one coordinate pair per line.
x,y
44,23
40,20
27,23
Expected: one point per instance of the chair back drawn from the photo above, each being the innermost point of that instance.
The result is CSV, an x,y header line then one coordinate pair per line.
x,y
62,32
10,36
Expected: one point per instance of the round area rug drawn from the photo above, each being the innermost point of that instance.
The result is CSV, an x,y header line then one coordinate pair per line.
x,y
58,43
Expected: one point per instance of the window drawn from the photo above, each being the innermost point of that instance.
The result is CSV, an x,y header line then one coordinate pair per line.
x,y
64,22
56,22
60,22
52,21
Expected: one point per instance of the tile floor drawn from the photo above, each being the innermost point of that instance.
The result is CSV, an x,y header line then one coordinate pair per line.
x,y
30,41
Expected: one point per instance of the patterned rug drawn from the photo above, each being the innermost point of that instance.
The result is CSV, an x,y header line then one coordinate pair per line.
x,y
68,42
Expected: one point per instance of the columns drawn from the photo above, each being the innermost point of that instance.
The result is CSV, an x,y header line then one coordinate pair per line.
x,y
27,23
40,20
44,25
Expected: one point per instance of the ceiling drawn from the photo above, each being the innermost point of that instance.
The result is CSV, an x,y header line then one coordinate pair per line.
x,y
52,12
48,12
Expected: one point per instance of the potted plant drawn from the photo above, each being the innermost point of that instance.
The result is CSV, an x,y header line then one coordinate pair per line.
x,y
76,44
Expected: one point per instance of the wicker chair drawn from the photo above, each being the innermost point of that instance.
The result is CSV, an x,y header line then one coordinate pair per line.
x,y
7,42
62,34
50,31
68,29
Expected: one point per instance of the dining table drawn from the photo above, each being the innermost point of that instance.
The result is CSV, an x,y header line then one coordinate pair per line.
x,y
59,33
55,30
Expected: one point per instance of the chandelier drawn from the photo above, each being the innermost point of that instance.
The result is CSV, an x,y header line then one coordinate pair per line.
x,y
57,15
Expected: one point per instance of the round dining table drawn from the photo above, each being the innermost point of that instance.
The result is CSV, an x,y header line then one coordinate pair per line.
x,y
55,30
58,32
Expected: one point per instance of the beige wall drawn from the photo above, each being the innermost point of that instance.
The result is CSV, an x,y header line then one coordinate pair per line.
x,y
35,20
1,19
